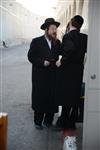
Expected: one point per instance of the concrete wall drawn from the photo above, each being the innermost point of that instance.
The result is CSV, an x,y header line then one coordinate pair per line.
x,y
91,134
17,23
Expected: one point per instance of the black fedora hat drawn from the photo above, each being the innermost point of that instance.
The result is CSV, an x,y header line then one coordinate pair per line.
x,y
49,21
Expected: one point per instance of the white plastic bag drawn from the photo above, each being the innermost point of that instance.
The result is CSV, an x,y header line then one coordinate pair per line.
x,y
70,143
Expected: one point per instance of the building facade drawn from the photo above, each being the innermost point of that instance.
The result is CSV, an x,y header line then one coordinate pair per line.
x,y
17,24
67,9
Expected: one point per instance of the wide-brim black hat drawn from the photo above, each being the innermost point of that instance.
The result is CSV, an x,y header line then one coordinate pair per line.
x,y
49,21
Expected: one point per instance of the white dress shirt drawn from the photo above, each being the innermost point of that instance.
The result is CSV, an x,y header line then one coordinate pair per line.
x,y
48,41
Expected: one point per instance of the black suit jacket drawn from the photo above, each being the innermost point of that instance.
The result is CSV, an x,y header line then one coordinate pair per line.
x,y
40,51
69,78
74,47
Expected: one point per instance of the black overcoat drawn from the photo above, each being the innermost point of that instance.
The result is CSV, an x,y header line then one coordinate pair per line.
x,y
70,74
43,78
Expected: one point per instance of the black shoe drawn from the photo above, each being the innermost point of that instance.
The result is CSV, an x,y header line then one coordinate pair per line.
x,y
57,128
60,128
72,127
47,125
38,126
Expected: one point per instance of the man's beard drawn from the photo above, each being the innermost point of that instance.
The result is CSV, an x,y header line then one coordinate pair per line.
x,y
54,37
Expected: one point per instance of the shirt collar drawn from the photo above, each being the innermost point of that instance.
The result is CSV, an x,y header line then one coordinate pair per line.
x,y
48,41
47,38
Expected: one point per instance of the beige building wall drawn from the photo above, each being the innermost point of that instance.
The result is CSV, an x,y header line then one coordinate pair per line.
x,y
67,9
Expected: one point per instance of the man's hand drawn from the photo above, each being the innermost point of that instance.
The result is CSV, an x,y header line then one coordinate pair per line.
x,y
58,63
46,63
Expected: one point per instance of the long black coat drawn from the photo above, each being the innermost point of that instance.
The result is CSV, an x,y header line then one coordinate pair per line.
x,y
43,78
70,74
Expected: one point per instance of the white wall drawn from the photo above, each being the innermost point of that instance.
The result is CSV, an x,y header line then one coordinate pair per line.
x,y
91,136
17,23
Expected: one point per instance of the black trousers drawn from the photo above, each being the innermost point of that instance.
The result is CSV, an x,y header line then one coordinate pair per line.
x,y
40,118
68,116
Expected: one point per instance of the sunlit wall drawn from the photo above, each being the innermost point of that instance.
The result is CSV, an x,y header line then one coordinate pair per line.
x,y
67,9
17,24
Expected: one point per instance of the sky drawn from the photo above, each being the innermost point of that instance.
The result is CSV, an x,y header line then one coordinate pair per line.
x,y
40,7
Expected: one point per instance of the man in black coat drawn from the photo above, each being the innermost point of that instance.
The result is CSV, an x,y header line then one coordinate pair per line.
x,y
43,54
70,72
